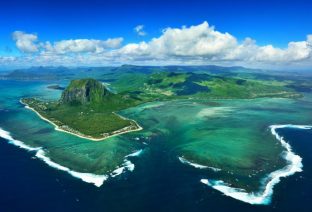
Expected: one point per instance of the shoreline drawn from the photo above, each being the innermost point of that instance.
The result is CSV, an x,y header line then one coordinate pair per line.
x,y
58,128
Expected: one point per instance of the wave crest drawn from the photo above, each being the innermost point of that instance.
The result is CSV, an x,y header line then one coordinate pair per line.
x,y
196,165
265,195
95,179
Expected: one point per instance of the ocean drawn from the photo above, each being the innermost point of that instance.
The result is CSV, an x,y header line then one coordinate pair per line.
x,y
159,181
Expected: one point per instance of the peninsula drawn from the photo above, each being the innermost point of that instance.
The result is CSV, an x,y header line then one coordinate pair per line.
x,y
86,109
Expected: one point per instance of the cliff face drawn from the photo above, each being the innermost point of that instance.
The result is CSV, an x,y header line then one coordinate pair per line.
x,y
84,91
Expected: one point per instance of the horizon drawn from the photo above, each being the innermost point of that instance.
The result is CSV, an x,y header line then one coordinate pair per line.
x,y
10,69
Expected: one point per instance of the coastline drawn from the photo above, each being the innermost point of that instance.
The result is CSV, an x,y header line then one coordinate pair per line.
x,y
114,133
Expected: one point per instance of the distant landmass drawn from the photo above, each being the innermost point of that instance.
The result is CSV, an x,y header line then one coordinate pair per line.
x,y
56,87
291,79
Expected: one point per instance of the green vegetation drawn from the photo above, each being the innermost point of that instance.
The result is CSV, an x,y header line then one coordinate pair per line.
x,y
87,107
85,91
172,85
240,88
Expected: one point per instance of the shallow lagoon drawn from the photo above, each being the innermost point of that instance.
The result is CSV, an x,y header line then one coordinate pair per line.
x,y
231,138
230,135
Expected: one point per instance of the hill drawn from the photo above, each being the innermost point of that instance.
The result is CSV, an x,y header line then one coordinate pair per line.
x,y
85,91
172,85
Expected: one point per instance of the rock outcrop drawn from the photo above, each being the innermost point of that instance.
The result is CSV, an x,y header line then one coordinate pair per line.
x,y
84,91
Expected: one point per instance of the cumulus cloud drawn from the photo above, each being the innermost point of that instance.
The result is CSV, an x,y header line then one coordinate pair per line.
x,y
200,40
195,45
82,45
139,29
25,42
29,43
205,43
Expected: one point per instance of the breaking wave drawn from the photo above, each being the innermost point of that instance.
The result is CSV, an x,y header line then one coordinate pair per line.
x,y
265,195
196,165
127,165
97,180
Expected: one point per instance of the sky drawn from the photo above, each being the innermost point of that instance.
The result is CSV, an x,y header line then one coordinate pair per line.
x,y
273,34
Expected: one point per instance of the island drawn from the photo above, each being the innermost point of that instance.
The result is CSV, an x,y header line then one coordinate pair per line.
x,y
56,87
86,109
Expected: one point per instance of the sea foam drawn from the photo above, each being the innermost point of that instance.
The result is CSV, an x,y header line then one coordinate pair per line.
x,y
135,154
196,165
6,135
127,165
264,196
97,180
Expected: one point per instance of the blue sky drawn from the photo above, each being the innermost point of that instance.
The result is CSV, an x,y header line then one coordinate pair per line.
x,y
274,22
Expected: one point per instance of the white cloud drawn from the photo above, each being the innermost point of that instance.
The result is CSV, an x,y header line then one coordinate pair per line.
x,y
200,40
139,29
195,45
82,45
205,43
25,42
29,43
202,44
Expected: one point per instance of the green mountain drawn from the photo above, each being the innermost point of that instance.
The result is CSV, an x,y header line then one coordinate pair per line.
x,y
85,91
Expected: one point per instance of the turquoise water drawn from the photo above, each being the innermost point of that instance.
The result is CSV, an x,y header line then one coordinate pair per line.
x,y
80,155
229,141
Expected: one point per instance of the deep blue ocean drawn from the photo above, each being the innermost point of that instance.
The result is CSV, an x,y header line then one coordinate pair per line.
x,y
28,184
